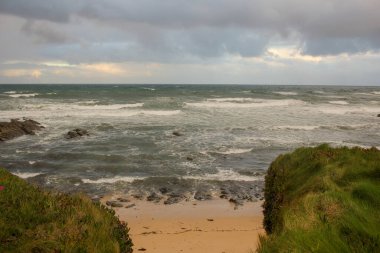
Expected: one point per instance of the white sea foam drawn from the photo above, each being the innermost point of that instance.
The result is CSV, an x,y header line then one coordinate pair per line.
x,y
367,93
245,103
111,180
32,162
286,93
347,109
10,92
224,175
26,174
306,128
86,105
160,112
26,95
332,96
112,107
146,88
67,112
231,99
339,102
234,151
114,110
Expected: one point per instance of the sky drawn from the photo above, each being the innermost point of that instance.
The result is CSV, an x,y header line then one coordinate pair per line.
x,y
326,42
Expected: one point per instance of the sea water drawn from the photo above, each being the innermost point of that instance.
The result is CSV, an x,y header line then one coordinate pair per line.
x,y
228,133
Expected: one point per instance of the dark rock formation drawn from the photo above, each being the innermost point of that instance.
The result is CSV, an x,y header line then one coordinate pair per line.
x,y
130,206
174,198
113,204
164,190
76,133
123,199
202,194
16,128
154,197
176,133
378,115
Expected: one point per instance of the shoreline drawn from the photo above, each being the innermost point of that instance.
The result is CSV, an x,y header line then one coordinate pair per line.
x,y
193,226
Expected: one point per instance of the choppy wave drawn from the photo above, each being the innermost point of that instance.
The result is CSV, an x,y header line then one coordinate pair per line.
x,y
367,93
87,113
245,103
234,151
86,105
26,174
84,109
347,109
26,95
224,175
111,180
221,175
286,93
146,88
10,92
338,102
306,128
238,100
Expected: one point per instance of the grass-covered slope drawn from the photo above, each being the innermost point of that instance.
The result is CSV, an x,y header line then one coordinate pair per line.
x,y
32,220
323,199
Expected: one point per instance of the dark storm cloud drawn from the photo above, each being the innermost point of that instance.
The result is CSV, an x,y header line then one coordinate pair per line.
x,y
53,10
170,29
44,33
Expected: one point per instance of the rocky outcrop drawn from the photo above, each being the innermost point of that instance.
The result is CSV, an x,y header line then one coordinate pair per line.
x,y
78,132
16,128
176,133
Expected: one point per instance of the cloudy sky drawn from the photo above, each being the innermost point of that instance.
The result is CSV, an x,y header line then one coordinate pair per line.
x,y
190,41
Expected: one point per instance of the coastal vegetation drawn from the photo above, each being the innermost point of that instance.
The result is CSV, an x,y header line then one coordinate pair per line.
x,y
34,220
323,199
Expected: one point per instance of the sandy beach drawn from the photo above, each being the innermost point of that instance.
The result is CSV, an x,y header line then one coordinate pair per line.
x,y
214,226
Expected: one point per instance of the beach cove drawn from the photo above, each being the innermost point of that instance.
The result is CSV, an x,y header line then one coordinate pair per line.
x,y
193,226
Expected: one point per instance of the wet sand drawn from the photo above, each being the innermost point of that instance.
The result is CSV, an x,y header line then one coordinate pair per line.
x,y
213,226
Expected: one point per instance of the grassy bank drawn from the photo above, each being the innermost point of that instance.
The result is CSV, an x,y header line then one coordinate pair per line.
x,y
323,199
32,220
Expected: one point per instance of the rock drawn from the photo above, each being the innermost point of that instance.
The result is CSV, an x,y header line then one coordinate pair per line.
x,y
176,133
223,196
130,206
154,197
16,128
78,132
378,115
123,199
138,196
164,190
141,249
202,195
174,198
189,158
237,202
113,203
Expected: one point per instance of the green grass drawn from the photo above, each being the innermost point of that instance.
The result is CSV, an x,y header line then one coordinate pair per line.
x,y
33,220
323,199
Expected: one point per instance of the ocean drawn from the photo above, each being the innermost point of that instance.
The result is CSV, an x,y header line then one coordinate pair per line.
x,y
228,134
